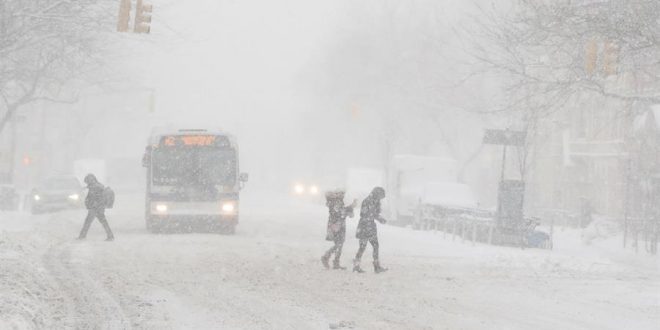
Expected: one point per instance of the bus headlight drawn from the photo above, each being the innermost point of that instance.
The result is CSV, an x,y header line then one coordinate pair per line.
x,y
161,208
74,197
228,207
37,198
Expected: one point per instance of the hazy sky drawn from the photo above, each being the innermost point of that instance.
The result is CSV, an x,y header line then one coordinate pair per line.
x,y
238,64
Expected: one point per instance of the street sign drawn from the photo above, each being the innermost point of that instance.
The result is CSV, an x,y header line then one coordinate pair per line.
x,y
505,137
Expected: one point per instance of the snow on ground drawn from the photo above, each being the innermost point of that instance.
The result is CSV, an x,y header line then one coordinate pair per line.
x,y
268,276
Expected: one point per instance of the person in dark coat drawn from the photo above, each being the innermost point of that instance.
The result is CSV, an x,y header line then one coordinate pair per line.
x,y
367,232
95,203
336,230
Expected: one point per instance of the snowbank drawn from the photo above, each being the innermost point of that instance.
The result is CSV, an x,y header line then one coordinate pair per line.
x,y
26,290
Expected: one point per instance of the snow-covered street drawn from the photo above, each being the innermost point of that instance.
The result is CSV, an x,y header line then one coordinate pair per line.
x,y
479,164
268,276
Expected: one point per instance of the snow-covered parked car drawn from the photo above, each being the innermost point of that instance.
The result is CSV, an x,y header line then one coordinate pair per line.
x,y
443,199
8,197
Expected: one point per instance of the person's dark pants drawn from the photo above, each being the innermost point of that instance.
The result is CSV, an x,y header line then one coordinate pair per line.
x,y
363,246
99,214
336,249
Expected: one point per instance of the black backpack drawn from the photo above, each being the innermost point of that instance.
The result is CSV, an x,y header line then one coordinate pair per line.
x,y
108,197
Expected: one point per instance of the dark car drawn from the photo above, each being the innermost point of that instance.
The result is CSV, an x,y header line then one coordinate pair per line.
x,y
55,194
8,198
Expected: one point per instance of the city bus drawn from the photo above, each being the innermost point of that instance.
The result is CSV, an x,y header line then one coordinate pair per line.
x,y
193,180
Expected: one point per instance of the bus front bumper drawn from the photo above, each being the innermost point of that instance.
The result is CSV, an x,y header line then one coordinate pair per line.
x,y
194,220
223,212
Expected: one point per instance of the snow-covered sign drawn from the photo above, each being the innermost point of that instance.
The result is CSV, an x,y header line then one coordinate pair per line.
x,y
505,137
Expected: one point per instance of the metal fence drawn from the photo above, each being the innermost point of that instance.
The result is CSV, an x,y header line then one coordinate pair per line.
x,y
474,225
642,232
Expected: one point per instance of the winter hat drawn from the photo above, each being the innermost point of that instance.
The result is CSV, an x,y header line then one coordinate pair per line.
x,y
335,194
378,193
90,178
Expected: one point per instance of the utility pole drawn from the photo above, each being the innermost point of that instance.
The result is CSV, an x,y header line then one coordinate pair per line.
x,y
12,152
610,58
591,57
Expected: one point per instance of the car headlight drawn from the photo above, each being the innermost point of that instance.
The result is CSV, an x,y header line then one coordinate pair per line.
x,y
299,189
228,207
161,208
74,197
37,198
314,190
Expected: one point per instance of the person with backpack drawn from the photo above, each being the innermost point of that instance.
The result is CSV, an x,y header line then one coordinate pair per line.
x,y
98,198
336,230
367,231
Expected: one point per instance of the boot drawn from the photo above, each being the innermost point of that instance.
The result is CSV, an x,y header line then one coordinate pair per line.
x,y
324,260
356,266
336,265
110,239
378,268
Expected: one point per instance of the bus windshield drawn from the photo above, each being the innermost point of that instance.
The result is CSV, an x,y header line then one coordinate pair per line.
x,y
193,166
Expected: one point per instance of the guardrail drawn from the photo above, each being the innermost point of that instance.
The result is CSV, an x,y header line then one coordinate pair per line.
x,y
642,231
474,225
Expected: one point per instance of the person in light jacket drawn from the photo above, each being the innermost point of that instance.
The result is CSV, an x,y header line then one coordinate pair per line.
x,y
336,230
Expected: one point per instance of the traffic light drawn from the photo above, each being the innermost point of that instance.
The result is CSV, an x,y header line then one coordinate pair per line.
x,y
591,57
610,58
152,101
124,15
142,17
355,110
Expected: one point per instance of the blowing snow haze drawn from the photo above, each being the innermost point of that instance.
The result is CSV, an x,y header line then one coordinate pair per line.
x,y
329,165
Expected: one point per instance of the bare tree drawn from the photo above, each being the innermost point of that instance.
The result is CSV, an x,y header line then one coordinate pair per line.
x,y
45,45
552,51
396,66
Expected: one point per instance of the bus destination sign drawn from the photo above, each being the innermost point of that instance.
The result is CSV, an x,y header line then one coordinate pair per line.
x,y
194,140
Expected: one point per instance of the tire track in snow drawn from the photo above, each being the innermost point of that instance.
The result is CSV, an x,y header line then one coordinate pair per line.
x,y
89,304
